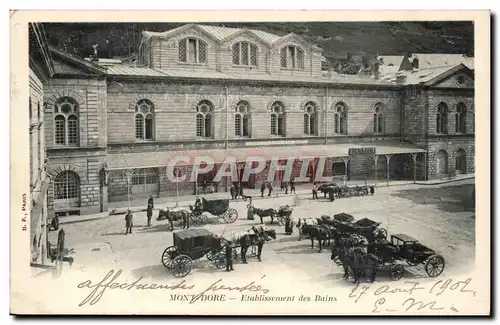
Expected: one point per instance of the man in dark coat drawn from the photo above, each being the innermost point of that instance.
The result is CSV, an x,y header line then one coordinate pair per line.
x,y
372,190
150,201
149,214
229,256
244,242
288,226
262,189
232,190
129,222
292,186
315,192
331,195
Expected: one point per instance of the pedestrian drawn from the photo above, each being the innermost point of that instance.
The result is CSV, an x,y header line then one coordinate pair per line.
x,y
269,188
292,186
241,192
229,256
260,245
129,222
149,214
285,185
288,225
372,190
331,195
237,190
315,192
262,189
244,243
150,201
232,190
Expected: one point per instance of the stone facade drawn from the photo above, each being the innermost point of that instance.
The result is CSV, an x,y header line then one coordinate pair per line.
x,y
107,108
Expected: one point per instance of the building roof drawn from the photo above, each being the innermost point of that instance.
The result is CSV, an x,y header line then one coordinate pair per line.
x,y
217,32
390,63
163,158
423,76
428,61
334,78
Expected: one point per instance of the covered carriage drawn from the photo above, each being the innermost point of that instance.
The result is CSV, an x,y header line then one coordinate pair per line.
x,y
217,205
190,245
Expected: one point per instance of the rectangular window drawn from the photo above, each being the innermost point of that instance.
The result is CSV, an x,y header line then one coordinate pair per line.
x,y
72,131
246,132
192,51
237,125
182,51
273,125
208,127
253,55
244,53
281,125
60,131
199,125
149,128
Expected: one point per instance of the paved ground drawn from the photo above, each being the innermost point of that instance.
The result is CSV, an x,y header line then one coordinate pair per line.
x,y
440,216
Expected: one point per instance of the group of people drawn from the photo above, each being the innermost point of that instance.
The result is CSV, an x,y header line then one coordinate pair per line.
x,y
245,243
129,218
236,191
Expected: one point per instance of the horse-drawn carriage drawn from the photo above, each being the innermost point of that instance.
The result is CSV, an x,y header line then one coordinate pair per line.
x,y
216,205
343,224
279,214
347,191
190,245
406,248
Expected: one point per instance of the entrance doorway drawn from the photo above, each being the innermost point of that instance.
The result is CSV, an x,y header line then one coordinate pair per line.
x,y
461,162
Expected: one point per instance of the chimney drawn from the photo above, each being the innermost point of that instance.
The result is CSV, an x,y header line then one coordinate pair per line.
x,y
400,80
414,63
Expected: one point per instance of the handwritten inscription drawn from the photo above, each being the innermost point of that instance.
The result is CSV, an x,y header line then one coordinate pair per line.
x,y
386,295
24,210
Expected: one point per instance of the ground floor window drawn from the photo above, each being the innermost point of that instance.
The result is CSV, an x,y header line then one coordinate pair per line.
x,y
144,181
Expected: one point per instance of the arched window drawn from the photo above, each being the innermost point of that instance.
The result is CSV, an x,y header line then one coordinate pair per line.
x,y
245,53
66,122
278,119
204,119
66,186
144,120
310,119
340,118
378,119
292,57
192,50
460,116
442,118
242,120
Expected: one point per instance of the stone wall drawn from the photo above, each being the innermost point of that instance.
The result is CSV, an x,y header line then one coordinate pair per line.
x,y
450,146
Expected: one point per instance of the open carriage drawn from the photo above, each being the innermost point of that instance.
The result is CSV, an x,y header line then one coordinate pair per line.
x,y
356,190
217,206
190,245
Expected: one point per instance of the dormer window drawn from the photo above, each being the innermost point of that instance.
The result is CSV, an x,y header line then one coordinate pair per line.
x,y
292,57
192,50
245,54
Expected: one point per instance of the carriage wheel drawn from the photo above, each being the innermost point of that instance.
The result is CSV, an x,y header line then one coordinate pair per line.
x,y
434,266
230,215
382,233
365,191
397,272
181,266
220,261
168,255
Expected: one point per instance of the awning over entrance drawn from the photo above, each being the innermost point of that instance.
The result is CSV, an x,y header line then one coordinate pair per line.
x,y
165,158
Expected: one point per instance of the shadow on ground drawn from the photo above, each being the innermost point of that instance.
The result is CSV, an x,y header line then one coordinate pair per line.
x,y
457,198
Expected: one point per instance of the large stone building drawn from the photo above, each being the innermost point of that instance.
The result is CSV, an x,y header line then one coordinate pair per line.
x,y
40,70
113,126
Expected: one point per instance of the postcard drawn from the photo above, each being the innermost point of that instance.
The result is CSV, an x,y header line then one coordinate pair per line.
x,y
250,163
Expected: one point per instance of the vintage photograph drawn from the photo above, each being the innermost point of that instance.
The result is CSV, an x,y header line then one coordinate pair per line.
x,y
337,156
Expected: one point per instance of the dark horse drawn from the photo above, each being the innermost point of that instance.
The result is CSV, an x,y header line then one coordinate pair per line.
x,y
262,213
351,253
319,232
254,237
174,214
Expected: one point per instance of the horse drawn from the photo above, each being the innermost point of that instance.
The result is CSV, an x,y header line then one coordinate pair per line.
x,y
319,232
262,213
351,252
174,214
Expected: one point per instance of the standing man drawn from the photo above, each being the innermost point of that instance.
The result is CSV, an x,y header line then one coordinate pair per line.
x,y
150,201
129,222
270,188
315,192
262,189
232,190
372,190
244,242
229,256
149,214
292,185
